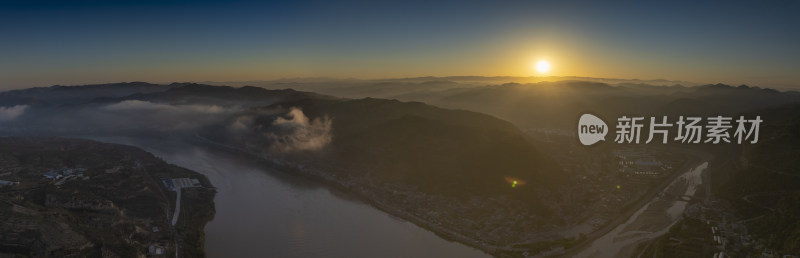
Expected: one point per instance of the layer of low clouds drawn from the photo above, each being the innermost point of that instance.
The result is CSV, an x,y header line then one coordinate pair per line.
x,y
125,117
139,105
11,113
277,130
163,117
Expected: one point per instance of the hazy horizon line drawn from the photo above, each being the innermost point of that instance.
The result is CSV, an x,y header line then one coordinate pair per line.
x,y
554,78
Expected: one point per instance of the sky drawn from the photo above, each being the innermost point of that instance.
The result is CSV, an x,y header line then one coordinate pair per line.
x,y
81,42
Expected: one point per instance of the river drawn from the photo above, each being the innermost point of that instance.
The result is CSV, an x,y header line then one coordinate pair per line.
x,y
654,219
265,213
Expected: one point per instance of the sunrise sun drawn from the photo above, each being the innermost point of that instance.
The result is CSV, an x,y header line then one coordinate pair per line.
x,y
542,66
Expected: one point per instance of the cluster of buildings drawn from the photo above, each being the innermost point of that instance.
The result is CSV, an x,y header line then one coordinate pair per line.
x,y
174,184
4,183
155,250
718,240
639,162
64,172
730,234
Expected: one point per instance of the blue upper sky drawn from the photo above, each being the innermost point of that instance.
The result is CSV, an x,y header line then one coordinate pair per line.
x,y
78,42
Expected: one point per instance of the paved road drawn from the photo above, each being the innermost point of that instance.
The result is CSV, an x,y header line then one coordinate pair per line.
x,y
177,210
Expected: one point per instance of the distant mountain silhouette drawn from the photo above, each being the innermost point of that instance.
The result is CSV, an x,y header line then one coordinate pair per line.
x,y
60,95
557,104
193,93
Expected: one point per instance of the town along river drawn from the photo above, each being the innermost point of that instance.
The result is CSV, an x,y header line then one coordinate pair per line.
x,y
261,212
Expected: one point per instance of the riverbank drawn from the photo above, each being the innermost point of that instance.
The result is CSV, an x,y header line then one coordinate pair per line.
x,y
262,210
648,202
359,194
